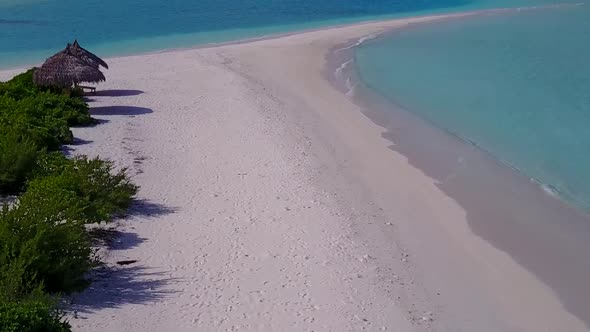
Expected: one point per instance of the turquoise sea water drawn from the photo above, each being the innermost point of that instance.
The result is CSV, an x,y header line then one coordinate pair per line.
x,y
31,30
517,85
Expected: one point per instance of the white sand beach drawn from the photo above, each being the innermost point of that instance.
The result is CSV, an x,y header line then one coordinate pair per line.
x,y
269,202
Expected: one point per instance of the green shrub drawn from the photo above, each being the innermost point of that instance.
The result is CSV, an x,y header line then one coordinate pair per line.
x,y
42,114
87,185
59,194
74,111
19,86
22,86
51,163
15,284
31,316
42,245
18,155
31,119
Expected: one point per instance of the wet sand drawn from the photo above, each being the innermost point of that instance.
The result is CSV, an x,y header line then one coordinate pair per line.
x,y
504,207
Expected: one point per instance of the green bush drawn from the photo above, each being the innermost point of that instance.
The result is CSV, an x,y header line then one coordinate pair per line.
x,y
74,111
31,316
33,118
56,192
43,114
69,104
15,284
19,86
45,132
18,155
86,185
51,163
42,245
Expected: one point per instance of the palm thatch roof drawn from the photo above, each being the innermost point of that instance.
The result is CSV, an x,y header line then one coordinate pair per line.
x,y
86,55
64,69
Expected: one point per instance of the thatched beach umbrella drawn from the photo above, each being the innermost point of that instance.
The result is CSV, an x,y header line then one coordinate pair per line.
x,y
65,69
86,56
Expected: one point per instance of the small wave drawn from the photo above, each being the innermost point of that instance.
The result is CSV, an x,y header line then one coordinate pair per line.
x,y
338,72
550,190
547,188
359,42
531,8
557,5
350,86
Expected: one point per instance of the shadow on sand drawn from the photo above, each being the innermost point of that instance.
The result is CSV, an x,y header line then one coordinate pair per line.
x,y
146,208
113,287
119,110
114,239
79,141
69,151
117,93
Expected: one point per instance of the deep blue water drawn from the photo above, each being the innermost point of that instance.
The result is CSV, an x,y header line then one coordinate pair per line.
x,y
517,85
31,30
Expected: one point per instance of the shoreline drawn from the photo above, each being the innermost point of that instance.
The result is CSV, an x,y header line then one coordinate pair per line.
x,y
445,157
347,79
376,234
451,14
247,40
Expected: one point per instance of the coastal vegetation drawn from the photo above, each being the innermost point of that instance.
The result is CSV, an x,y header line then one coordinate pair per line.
x,y
45,247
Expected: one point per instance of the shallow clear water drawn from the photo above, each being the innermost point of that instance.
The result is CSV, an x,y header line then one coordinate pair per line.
x,y
517,85
31,30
